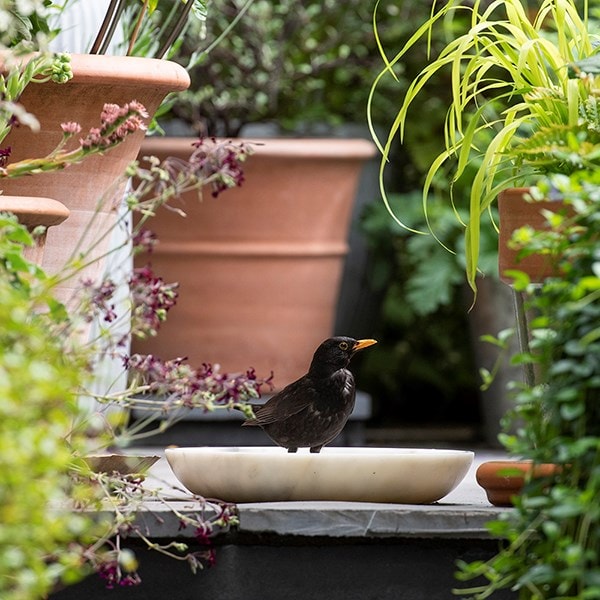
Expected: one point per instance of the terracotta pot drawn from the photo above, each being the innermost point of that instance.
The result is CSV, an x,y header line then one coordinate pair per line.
x,y
514,212
259,267
504,479
97,181
32,212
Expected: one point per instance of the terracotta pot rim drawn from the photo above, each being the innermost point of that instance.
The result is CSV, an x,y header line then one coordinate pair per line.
x,y
515,461
515,470
35,209
160,73
514,191
521,191
324,147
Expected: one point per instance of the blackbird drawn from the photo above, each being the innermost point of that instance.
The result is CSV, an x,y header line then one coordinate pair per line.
x,y
313,410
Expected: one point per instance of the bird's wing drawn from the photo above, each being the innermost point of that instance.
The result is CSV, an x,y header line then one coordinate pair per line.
x,y
290,401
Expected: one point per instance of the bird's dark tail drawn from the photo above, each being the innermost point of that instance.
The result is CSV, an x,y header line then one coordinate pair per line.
x,y
250,422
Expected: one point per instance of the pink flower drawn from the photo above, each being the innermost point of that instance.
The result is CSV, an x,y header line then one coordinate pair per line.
x,y
117,123
182,384
139,108
110,113
93,139
71,127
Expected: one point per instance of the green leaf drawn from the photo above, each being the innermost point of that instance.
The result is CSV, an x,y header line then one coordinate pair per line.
x,y
538,575
551,529
571,412
432,285
566,510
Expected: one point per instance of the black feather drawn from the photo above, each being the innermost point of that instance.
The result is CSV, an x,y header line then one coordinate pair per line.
x,y
312,411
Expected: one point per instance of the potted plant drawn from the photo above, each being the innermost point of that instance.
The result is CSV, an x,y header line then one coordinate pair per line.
x,y
559,149
550,545
44,90
510,77
282,238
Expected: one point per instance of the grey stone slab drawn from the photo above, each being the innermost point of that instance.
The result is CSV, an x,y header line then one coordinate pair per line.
x,y
366,520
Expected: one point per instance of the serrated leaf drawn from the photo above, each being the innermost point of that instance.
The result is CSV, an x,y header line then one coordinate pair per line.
x,y
432,284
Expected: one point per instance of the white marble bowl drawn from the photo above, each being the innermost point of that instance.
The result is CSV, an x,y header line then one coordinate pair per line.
x,y
270,474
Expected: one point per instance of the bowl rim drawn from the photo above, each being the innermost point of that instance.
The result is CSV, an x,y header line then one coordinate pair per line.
x,y
329,451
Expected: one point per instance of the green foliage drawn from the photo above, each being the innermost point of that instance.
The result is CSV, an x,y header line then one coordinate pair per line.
x,y
25,26
508,76
422,325
47,365
433,261
552,537
561,149
152,28
300,64
422,328
158,29
38,384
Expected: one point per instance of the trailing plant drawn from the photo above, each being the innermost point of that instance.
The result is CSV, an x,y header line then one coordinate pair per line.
x,y
151,29
433,269
49,490
550,542
47,539
509,75
25,31
18,75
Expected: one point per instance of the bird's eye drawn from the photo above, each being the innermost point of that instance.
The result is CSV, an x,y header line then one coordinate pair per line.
x,y
343,345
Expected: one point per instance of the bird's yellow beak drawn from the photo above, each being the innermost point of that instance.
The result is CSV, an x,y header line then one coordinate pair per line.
x,y
360,344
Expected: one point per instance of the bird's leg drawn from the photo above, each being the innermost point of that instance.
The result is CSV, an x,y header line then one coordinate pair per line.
x,y
292,449
316,449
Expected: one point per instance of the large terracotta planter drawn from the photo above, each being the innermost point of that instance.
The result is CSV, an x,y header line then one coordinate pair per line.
x,y
95,182
514,212
259,267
